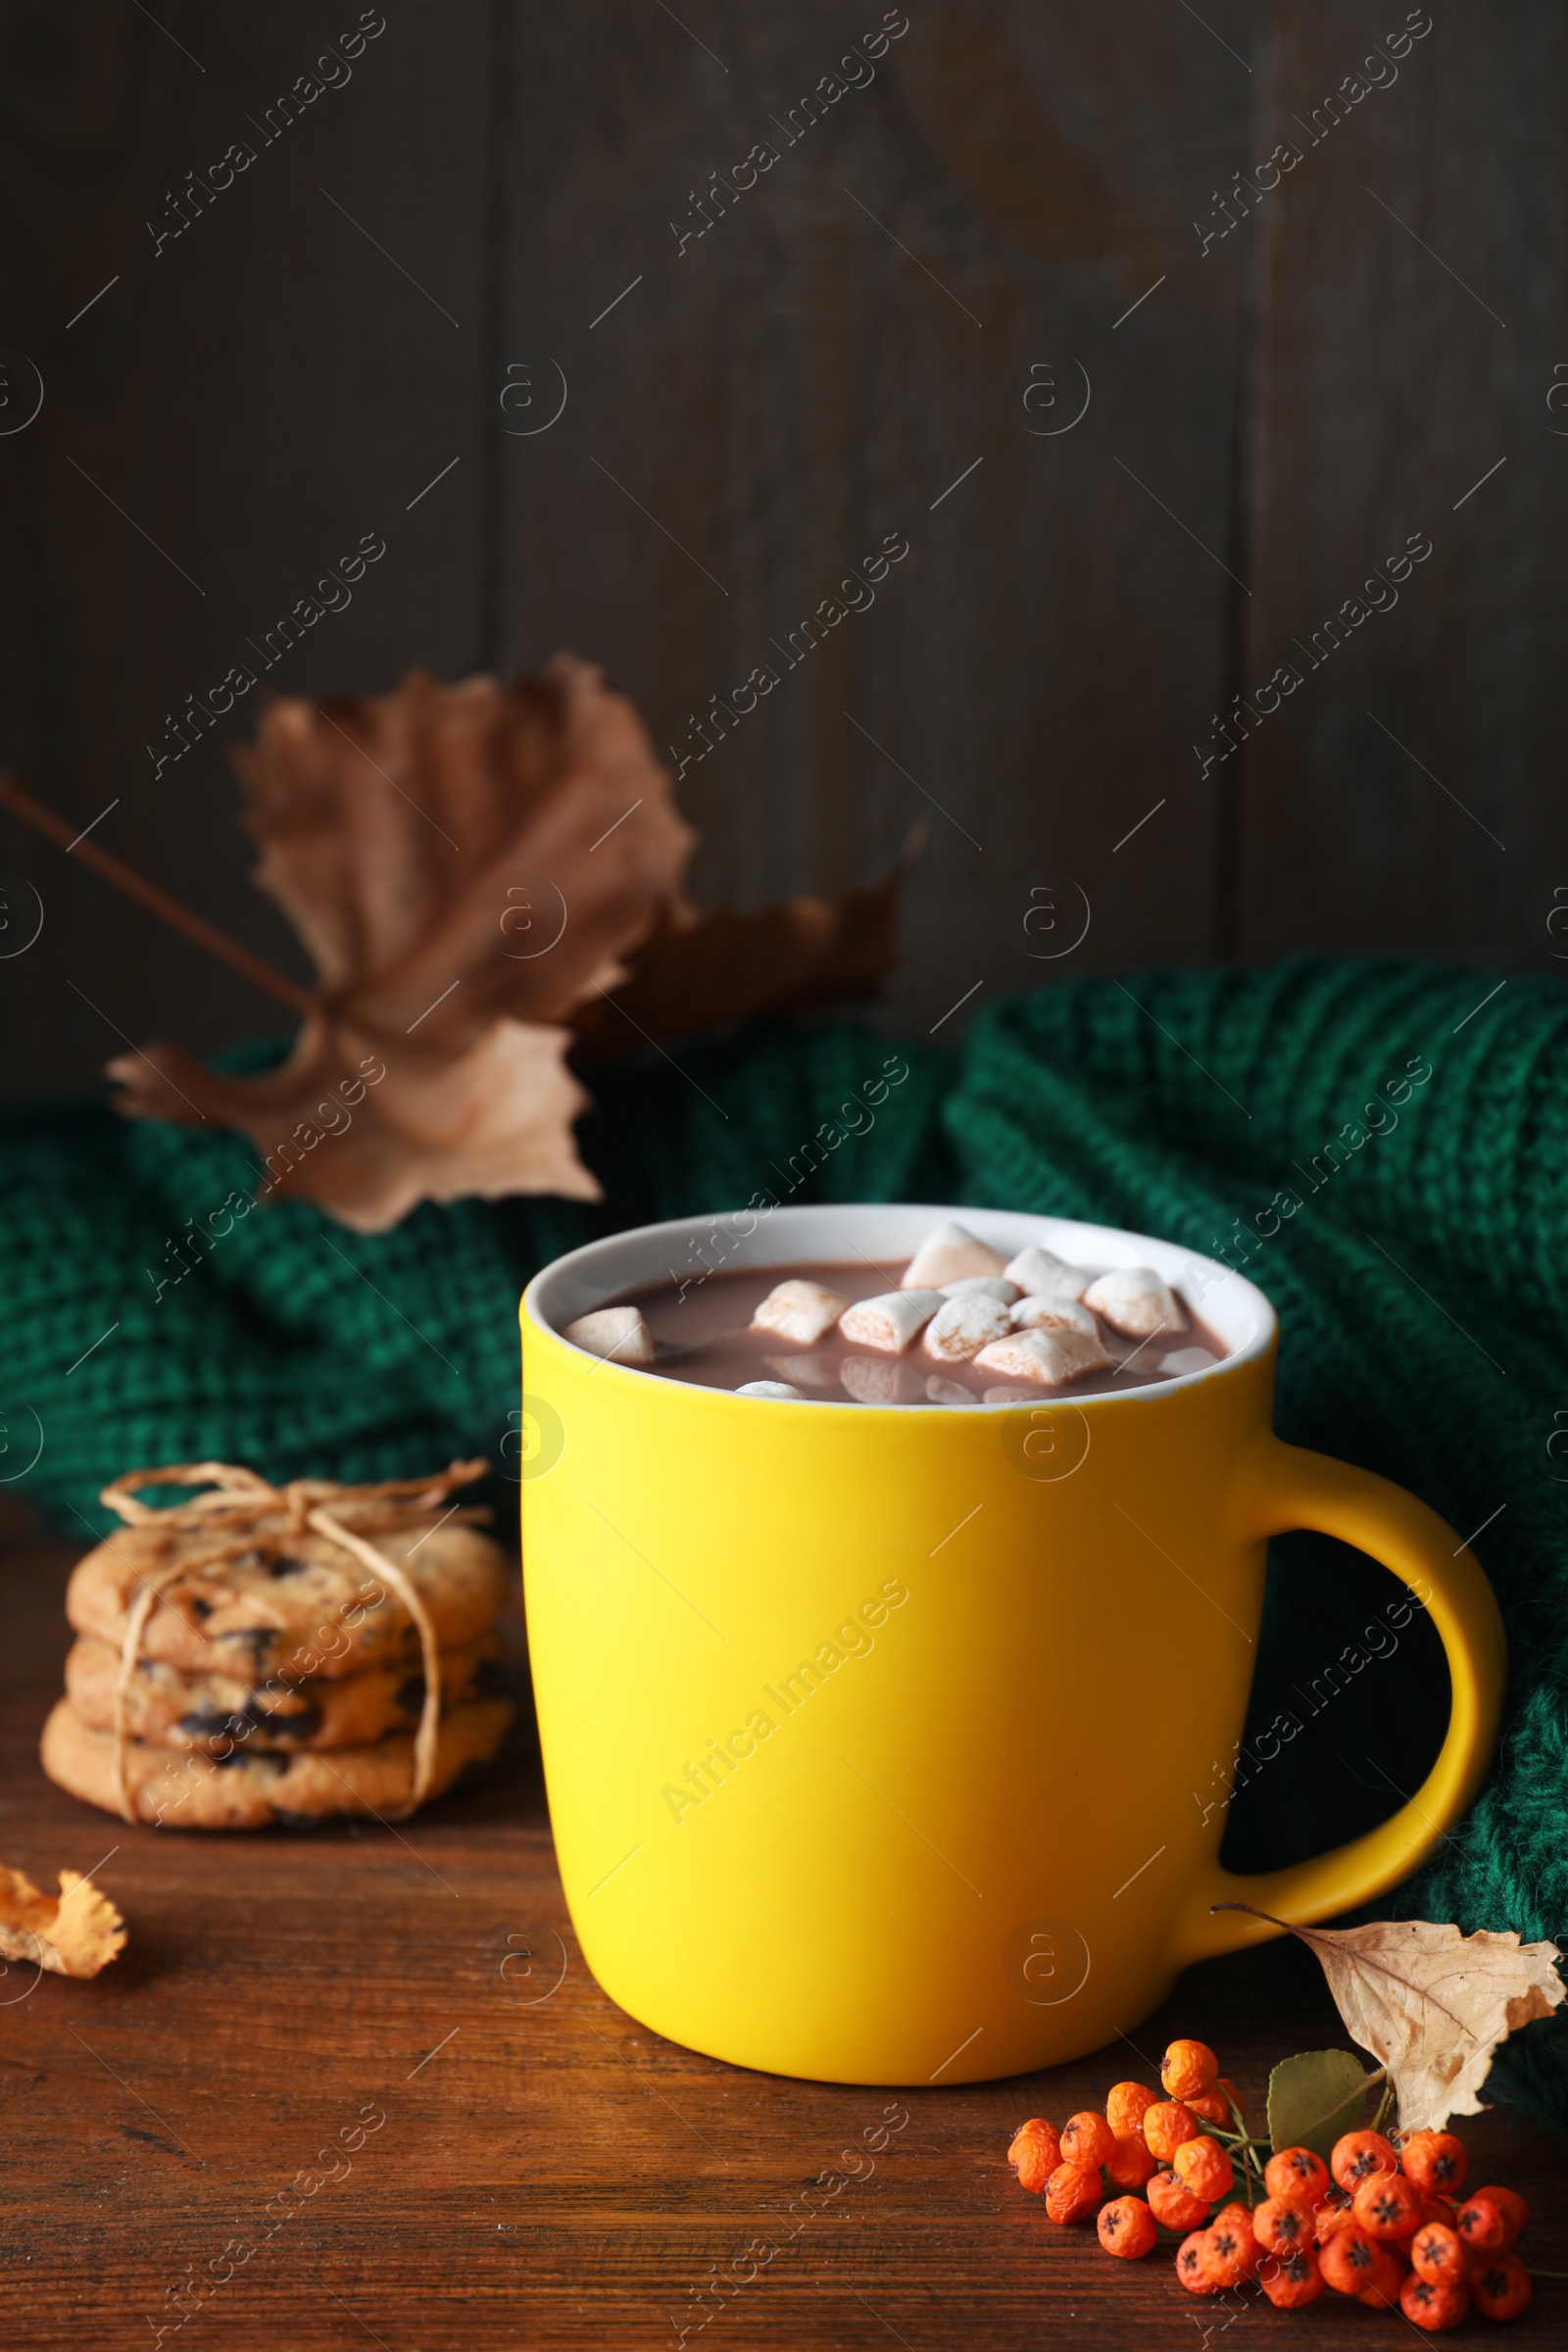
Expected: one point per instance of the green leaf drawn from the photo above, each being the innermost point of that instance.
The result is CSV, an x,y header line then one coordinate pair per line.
x,y
1314,2099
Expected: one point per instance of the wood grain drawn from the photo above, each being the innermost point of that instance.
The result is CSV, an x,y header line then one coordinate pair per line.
x,y
1411,310
548,2173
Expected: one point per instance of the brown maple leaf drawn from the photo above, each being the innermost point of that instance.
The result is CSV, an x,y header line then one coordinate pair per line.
x,y
466,866
73,1933
1431,2004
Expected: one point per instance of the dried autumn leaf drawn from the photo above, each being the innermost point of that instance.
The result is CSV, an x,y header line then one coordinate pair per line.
x,y
73,1933
465,864
1431,2004
785,958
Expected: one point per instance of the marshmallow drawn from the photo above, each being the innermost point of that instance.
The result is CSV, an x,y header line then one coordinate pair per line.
x,y
1187,1359
770,1387
1049,1358
891,1321
881,1380
948,1392
1039,1273
1048,1313
985,1286
617,1333
1137,1300
948,1256
819,1369
963,1326
798,1311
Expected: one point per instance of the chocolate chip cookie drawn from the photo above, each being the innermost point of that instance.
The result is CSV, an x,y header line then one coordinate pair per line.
x,y
214,1714
252,1791
286,1602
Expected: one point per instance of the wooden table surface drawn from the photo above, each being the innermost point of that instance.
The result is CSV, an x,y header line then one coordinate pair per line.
x,y
522,2163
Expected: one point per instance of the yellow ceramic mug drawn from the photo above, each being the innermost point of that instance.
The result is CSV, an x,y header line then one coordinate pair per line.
x,y
872,1735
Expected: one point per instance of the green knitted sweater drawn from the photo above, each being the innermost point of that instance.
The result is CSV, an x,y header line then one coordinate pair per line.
x,y
1415,1250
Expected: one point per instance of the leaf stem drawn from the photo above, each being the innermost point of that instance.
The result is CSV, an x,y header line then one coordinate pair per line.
x,y
1334,1937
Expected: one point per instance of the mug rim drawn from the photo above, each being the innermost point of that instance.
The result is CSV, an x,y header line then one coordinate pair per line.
x,y
574,1284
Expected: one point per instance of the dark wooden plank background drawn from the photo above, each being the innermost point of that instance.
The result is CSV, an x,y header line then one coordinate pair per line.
x,y
1281,410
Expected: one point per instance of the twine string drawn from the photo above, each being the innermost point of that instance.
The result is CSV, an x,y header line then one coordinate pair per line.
x,y
402,1585
141,1608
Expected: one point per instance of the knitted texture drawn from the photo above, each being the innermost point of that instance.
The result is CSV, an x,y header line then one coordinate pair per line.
x,y
1414,1251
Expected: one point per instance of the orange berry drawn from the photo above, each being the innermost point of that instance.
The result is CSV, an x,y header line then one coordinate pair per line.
x,y
1432,2306
1440,2209
1071,2194
1211,2106
1230,2249
1126,2227
1438,2253
1515,2212
1500,2285
1436,2161
1386,2205
1219,2104
1202,2166
1348,2260
1425,2212
1291,2279
1331,2218
1174,2207
1087,2140
1483,2224
1127,2104
1297,2173
1169,2125
1282,2224
1359,2155
1035,2153
1232,2094
1387,2276
1129,2164
1190,2266
1188,2068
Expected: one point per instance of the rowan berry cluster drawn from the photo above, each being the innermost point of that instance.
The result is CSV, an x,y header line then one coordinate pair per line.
x,y
1381,2221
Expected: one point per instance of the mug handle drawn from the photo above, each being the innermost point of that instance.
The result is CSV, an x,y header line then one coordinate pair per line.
x,y
1291,1487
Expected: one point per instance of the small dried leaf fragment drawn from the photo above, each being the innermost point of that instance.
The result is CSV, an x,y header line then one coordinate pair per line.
x,y
791,958
73,1933
1432,2005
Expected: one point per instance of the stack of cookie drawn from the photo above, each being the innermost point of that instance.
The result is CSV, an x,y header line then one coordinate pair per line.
x,y
258,1654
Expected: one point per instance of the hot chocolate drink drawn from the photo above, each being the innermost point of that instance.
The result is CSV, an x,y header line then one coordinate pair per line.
x,y
956,1325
